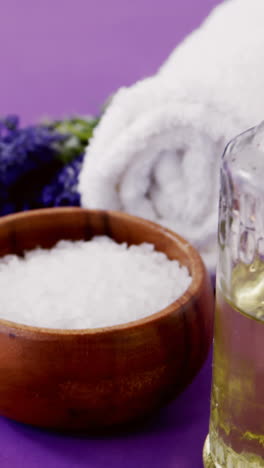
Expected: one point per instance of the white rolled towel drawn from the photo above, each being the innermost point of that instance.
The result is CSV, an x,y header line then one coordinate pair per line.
x,y
157,149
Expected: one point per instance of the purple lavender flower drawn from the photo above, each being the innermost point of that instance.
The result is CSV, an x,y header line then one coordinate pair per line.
x,y
62,191
28,159
24,150
40,165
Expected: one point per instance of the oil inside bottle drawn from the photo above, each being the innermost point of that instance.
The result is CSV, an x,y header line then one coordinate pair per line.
x,y
237,403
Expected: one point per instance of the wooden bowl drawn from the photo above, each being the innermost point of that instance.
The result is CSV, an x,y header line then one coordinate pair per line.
x,y
93,378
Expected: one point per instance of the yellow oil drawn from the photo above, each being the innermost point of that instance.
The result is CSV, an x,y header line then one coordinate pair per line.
x,y
237,403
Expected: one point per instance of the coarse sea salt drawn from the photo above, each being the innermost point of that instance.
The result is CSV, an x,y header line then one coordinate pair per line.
x,y
88,284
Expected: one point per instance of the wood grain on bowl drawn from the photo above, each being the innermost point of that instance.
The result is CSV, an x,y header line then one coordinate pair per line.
x,y
83,379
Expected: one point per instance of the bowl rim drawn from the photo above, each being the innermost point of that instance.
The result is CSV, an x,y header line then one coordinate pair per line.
x,y
198,274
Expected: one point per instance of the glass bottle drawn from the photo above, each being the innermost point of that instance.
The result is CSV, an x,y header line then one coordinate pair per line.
x,y
236,435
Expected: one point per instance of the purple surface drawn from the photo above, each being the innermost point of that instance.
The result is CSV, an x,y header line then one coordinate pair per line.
x,y
174,439
64,56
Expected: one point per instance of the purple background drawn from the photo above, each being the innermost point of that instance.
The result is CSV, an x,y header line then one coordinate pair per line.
x,y
64,56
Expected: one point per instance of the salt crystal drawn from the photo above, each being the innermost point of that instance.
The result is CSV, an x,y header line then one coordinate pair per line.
x,y
88,284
